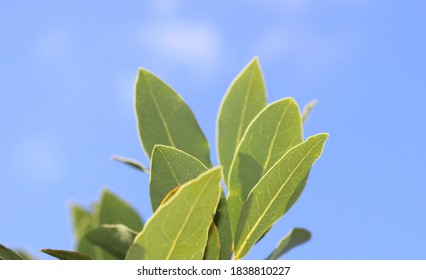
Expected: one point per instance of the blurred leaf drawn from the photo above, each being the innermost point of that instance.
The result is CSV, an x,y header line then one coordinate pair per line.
x,y
307,109
115,239
271,197
164,118
212,251
269,136
83,222
114,210
8,254
295,237
245,98
65,255
179,228
25,255
132,163
170,168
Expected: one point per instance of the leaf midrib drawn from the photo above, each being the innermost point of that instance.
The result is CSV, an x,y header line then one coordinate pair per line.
x,y
185,223
244,110
268,158
237,254
166,127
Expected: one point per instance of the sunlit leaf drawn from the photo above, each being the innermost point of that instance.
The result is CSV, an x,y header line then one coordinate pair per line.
x,y
245,98
179,228
270,135
271,198
171,168
164,118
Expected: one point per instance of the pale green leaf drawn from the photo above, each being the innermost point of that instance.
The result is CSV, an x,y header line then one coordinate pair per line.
x,y
245,98
82,220
114,210
170,168
212,251
164,118
115,239
132,163
271,134
294,238
307,109
179,228
66,255
271,198
8,254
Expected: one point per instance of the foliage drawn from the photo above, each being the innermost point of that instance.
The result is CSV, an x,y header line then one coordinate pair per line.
x,y
264,164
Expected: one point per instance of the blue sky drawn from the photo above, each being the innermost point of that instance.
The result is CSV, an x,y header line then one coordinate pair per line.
x,y
67,70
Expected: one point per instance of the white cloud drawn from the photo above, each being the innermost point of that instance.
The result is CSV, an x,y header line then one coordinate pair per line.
x,y
195,44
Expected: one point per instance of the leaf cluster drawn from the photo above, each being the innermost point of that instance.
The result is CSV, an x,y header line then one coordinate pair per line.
x,y
264,166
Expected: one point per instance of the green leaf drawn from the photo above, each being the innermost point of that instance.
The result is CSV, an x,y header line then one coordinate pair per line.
x,y
294,238
132,163
307,109
82,219
8,254
115,239
65,255
271,198
245,98
164,118
269,136
179,228
114,210
223,224
170,168
25,255
212,251
83,222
